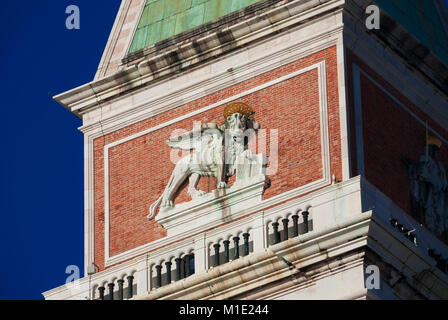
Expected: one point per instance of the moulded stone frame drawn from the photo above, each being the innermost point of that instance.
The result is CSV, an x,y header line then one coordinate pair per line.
x,y
325,147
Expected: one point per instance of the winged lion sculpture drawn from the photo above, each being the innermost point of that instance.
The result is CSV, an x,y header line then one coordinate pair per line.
x,y
216,150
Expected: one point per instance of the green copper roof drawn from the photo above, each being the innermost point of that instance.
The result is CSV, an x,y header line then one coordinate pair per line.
x,y
421,19
162,19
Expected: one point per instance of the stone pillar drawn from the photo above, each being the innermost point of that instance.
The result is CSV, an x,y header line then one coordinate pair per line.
x,y
178,269
259,234
159,275
200,254
226,251
305,221
142,277
236,249
285,229
246,243
111,290
130,286
120,289
216,247
168,272
276,233
295,229
101,292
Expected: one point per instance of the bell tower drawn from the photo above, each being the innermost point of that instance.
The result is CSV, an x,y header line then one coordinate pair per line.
x,y
264,149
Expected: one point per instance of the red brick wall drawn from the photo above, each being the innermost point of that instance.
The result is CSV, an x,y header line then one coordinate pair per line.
x,y
390,134
139,169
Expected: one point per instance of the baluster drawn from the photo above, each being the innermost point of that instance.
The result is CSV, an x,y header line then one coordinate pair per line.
x,y
168,272
276,233
236,252
285,229
159,275
130,286
120,289
111,290
246,243
216,247
295,229
101,291
226,250
178,268
305,221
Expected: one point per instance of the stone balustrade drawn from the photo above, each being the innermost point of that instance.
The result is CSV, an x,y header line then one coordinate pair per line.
x,y
117,288
229,249
289,226
166,260
173,268
219,246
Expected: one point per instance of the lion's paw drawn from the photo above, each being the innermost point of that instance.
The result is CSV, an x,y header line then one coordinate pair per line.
x,y
167,203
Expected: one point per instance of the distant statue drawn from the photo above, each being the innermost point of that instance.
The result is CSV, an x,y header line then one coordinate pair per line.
x,y
217,149
428,186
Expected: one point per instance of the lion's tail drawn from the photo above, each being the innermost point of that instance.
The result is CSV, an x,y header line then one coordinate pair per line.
x,y
153,208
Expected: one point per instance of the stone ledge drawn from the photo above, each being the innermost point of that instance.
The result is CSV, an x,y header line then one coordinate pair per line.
x,y
220,205
306,258
216,206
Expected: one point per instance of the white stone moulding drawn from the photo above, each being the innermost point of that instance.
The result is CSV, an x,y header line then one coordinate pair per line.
x,y
325,156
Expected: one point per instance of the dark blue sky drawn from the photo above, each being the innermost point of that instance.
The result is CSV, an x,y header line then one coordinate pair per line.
x,y
41,207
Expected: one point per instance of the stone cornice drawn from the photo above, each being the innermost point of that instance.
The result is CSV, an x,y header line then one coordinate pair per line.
x,y
292,257
272,264
92,95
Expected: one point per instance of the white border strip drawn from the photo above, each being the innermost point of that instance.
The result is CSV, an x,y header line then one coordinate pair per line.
x,y
358,119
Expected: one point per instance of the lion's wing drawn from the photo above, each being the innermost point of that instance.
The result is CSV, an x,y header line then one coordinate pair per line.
x,y
192,140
